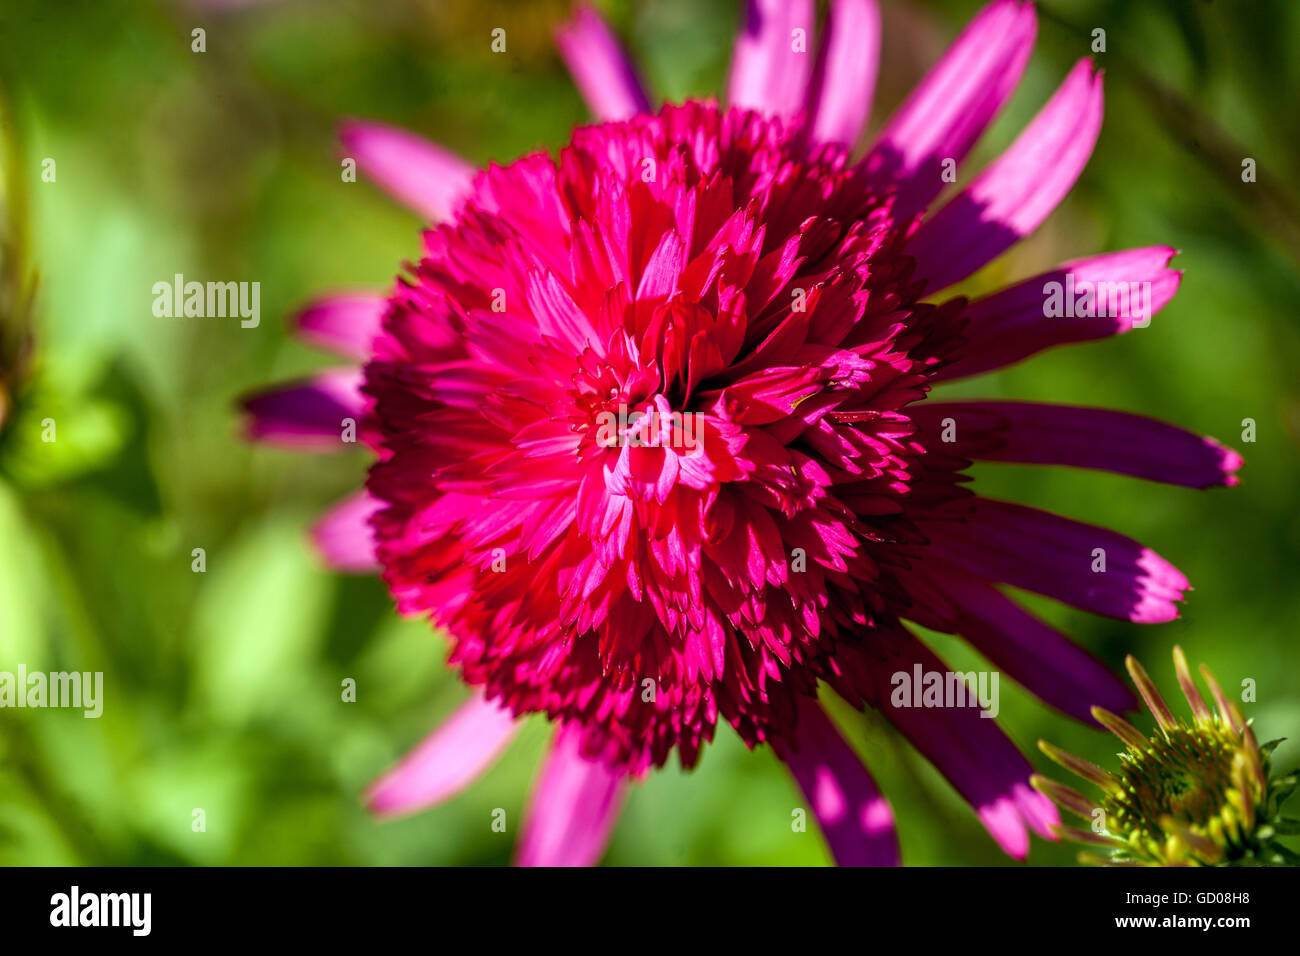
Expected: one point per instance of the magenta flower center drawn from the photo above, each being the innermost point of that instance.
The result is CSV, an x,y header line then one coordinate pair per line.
x,y
646,449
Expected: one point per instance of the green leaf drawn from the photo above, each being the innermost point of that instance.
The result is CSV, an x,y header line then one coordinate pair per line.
x,y
258,623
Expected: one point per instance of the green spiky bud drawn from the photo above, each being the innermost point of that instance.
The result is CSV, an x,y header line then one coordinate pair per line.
x,y
1195,793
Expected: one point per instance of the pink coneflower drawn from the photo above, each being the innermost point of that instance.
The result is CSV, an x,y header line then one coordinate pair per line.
x,y
527,388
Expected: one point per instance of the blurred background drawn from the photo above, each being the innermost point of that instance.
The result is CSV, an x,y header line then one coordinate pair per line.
x,y
222,689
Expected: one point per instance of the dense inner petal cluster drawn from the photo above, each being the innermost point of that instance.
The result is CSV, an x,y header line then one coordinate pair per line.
x,y
646,452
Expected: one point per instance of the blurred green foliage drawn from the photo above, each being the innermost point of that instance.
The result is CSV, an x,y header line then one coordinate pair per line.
x,y
222,688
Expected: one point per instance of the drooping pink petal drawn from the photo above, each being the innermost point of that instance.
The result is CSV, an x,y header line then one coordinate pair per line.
x,y
343,534
603,72
972,753
573,806
1083,438
1012,197
854,816
772,62
839,99
447,761
309,414
952,105
1079,564
422,176
345,322
1029,651
1062,306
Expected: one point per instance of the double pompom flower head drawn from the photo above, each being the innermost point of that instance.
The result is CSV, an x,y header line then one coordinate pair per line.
x,y
652,436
